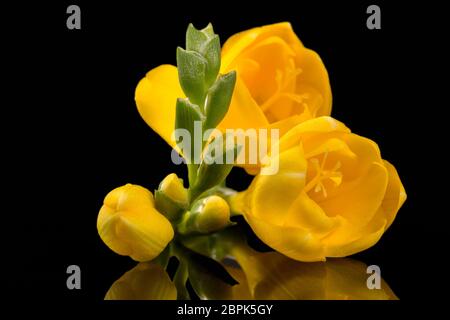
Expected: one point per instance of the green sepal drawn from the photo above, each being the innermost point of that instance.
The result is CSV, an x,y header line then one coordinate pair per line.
x,y
213,169
186,115
170,208
219,98
195,38
208,30
207,44
211,52
192,74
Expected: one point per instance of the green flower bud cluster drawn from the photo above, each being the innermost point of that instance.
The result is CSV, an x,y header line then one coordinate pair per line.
x,y
208,96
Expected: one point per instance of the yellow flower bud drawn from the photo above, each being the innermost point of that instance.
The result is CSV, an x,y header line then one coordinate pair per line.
x,y
172,187
207,215
130,225
214,214
171,198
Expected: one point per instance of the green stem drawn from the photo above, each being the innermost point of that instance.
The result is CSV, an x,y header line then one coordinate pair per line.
x,y
192,174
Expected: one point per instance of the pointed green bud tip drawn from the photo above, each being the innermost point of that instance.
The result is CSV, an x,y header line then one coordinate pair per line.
x,y
208,30
219,99
195,38
212,214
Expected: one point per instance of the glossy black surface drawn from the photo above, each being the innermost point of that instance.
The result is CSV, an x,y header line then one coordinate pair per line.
x,y
80,135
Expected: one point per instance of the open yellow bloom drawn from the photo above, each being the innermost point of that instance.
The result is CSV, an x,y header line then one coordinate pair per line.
x,y
130,225
333,195
279,84
278,79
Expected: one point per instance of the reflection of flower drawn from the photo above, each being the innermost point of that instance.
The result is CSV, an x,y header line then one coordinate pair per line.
x,y
262,276
130,225
280,83
146,281
333,195
274,276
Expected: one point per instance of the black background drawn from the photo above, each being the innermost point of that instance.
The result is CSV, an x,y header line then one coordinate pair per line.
x,y
78,134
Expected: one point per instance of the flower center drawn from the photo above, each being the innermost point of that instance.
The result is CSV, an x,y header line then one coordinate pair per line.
x,y
284,81
321,175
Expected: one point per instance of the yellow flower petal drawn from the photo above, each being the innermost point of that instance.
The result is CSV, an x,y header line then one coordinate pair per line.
x,y
349,240
283,76
314,82
270,57
323,144
155,96
239,42
306,213
296,243
311,127
147,232
286,124
360,200
272,196
243,112
395,194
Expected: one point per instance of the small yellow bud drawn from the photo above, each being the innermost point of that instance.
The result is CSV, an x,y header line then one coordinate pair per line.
x,y
172,187
206,215
212,213
171,198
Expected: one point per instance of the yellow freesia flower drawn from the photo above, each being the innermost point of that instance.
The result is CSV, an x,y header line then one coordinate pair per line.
x,y
278,79
146,281
129,224
279,84
333,195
